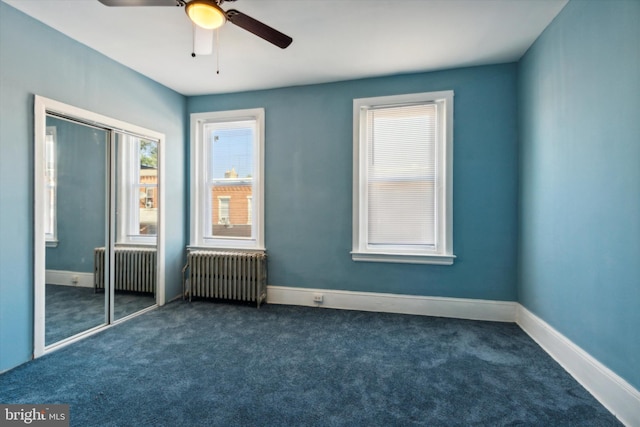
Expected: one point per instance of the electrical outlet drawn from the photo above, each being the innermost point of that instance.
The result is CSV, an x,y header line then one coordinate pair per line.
x,y
75,279
318,298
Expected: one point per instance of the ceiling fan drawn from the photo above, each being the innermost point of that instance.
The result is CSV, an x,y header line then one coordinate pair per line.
x,y
208,15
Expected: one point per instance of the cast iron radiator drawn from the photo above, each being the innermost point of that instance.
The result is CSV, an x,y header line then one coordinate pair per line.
x,y
239,276
135,269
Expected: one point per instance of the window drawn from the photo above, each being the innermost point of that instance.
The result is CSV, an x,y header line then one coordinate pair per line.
x,y
227,179
223,210
50,175
402,207
137,212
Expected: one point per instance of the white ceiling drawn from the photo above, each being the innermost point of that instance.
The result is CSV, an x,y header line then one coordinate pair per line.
x,y
333,40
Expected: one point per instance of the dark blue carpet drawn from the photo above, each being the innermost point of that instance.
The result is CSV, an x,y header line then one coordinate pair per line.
x,y
205,364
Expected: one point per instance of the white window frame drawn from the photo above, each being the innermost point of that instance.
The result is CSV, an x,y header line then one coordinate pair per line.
x,y
51,192
442,253
249,210
129,194
200,209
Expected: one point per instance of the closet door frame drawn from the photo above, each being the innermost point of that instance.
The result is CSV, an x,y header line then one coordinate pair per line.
x,y
43,107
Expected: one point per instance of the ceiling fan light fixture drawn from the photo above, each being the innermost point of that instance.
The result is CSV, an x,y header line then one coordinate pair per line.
x,y
206,14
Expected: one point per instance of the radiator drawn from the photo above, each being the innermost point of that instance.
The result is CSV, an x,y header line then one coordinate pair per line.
x,y
239,276
135,269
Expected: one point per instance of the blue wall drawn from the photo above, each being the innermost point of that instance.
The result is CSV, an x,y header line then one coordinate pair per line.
x,y
39,60
579,103
81,194
308,184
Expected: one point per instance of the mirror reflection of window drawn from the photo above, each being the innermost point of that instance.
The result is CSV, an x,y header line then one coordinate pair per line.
x,y
148,182
138,209
50,229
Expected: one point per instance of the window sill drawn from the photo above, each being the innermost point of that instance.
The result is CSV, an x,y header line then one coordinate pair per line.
x,y
402,258
135,245
225,249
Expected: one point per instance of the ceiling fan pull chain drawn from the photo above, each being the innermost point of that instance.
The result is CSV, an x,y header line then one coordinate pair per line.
x,y
217,51
193,40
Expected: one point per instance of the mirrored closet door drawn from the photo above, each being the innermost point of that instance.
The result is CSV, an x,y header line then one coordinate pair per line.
x,y
136,189
97,223
75,211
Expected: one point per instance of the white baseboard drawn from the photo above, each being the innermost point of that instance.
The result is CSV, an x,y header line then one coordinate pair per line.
x,y
613,392
69,278
459,308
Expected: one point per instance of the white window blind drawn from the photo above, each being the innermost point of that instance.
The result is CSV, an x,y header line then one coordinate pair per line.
x,y
401,145
403,158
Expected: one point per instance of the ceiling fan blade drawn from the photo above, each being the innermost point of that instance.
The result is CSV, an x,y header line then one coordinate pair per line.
x,y
139,2
258,28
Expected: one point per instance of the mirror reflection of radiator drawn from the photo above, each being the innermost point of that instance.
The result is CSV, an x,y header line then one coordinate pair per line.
x,y
239,276
135,269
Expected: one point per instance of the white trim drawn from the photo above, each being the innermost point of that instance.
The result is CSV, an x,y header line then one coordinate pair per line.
x,y
459,308
405,259
69,278
160,228
39,245
612,391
